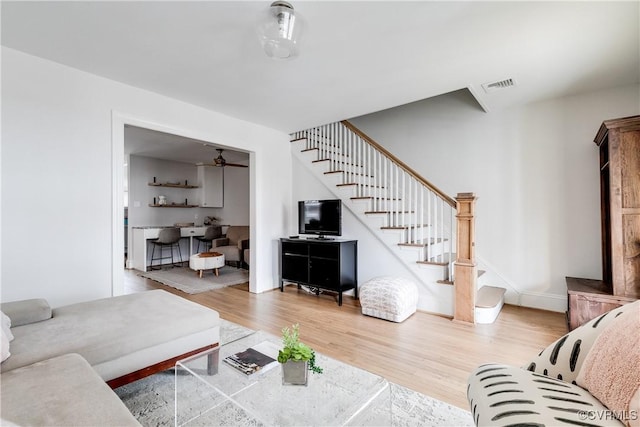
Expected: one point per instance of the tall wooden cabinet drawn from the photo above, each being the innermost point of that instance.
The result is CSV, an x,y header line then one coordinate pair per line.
x,y
619,143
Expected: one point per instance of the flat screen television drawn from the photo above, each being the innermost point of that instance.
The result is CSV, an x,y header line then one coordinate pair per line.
x,y
320,217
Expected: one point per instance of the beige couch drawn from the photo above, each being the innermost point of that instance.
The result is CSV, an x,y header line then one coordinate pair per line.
x,y
83,349
233,244
589,377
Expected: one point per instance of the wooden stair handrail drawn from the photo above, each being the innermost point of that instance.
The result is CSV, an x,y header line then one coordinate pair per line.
x,y
451,202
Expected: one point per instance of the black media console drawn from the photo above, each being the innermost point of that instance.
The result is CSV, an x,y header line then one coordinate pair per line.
x,y
320,263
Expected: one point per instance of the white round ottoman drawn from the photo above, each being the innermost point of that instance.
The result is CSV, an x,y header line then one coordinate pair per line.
x,y
389,298
206,261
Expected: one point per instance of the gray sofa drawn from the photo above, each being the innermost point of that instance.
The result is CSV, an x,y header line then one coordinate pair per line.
x,y
63,362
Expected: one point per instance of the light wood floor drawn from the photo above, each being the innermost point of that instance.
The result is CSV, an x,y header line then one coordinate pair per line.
x,y
427,353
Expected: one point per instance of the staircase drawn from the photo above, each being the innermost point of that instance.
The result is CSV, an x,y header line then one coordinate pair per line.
x,y
412,217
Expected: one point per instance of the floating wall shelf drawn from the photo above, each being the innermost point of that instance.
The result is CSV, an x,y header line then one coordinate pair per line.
x,y
168,184
173,205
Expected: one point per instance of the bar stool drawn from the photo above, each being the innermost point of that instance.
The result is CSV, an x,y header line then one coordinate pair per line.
x,y
210,234
168,237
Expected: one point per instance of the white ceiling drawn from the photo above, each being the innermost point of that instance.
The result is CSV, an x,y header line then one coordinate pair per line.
x,y
160,145
356,58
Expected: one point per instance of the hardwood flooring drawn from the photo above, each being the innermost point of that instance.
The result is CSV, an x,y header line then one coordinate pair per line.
x,y
427,353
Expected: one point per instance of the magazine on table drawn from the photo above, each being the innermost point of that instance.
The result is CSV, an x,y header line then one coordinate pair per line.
x,y
258,358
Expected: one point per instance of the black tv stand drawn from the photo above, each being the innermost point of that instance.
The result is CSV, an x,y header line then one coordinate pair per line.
x,y
320,263
320,238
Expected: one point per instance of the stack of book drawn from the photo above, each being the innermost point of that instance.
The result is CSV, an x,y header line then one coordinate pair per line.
x,y
254,359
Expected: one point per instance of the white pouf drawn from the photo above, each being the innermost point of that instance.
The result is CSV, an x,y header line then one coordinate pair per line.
x,y
389,298
207,262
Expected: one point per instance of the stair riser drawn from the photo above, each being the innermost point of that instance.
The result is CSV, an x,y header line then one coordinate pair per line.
x,y
352,191
433,273
406,235
350,178
488,314
359,206
334,164
395,219
330,152
374,222
333,179
427,272
436,299
425,235
387,205
384,205
423,254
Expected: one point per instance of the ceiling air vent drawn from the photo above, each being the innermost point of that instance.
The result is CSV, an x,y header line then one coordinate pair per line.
x,y
502,84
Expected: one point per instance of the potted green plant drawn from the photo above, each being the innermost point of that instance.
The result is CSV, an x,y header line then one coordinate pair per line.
x,y
297,358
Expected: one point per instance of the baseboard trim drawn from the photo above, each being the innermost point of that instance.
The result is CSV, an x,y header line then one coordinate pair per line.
x,y
550,302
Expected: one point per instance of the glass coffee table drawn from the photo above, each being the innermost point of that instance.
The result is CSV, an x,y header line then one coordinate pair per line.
x,y
341,395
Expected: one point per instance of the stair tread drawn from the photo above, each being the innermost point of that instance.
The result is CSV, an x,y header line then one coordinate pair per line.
x,y
379,198
430,242
352,173
387,212
441,263
306,150
350,184
403,227
489,296
336,161
316,138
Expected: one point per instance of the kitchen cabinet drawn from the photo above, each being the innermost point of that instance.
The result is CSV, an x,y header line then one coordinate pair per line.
x,y
211,186
140,254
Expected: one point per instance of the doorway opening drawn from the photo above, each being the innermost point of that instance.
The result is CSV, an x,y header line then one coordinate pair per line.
x,y
143,152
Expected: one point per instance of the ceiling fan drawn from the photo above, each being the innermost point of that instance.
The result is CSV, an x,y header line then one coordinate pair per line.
x,y
221,162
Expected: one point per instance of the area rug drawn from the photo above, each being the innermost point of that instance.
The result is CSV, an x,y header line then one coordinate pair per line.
x,y
151,400
186,279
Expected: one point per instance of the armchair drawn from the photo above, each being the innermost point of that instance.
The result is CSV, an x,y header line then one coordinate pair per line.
x,y
233,244
589,377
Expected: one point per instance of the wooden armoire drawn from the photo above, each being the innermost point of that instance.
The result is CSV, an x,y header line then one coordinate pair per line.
x,y
619,143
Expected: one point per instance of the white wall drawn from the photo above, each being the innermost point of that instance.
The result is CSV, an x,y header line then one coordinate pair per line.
x,y
534,169
61,130
141,194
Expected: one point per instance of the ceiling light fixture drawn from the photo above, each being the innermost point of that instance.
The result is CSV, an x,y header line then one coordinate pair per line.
x,y
279,30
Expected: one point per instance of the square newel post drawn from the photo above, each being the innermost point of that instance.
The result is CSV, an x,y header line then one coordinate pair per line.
x,y
465,267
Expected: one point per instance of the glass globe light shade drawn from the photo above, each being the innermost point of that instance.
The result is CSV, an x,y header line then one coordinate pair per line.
x,y
279,30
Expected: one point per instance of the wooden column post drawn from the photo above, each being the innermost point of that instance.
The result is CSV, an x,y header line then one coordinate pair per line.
x,y
465,267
